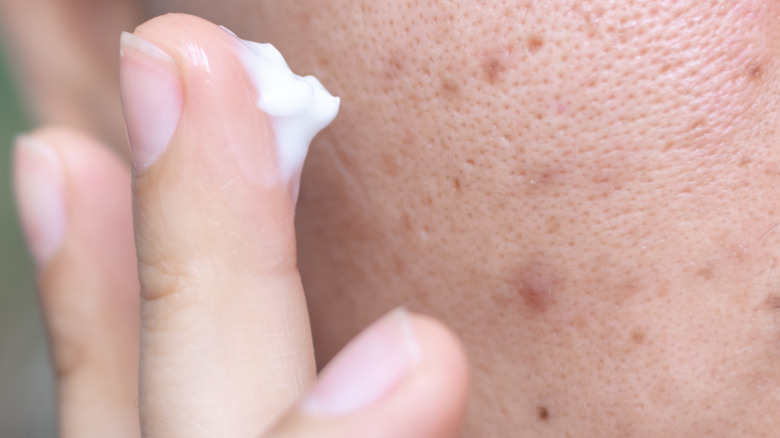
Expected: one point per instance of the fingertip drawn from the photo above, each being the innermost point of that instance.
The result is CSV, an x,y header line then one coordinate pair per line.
x,y
40,196
96,192
406,375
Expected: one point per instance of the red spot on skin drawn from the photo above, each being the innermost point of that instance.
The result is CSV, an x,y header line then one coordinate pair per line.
x,y
534,45
537,286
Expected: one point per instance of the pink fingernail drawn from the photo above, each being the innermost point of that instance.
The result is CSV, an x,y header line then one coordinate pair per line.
x,y
367,369
151,98
40,196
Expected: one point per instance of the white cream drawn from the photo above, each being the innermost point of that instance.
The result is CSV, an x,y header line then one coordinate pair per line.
x,y
299,107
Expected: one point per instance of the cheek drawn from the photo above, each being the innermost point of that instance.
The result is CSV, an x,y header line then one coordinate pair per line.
x,y
594,182
578,139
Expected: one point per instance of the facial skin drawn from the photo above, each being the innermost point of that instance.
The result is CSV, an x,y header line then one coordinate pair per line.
x,y
585,191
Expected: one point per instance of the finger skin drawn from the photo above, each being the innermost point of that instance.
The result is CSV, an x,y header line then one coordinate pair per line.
x,y
429,403
225,335
89,292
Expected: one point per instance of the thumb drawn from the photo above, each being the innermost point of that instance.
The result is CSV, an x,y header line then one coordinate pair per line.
x,y
405,376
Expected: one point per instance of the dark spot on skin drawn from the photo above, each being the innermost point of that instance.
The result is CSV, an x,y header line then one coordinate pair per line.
x,y
755,71
450,88
534,45
638,336
456,182
323,62
493,68
772,303
543,413
705,272
745,161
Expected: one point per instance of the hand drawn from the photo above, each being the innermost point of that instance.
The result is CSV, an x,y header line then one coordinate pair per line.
x,y
225,348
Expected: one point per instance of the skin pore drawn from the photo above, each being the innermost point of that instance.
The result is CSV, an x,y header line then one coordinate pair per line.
x,y
584,191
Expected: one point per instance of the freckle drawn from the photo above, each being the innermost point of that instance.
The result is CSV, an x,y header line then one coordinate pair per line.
x,y
745,161
457,184
638,336
543,413
493,69
534,45
323,62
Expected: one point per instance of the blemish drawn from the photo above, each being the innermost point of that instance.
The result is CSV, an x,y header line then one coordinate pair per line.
x,y
493,68
755,71
534,45
772,303
450,88
543,413
456,183
638,336
536,287
705,272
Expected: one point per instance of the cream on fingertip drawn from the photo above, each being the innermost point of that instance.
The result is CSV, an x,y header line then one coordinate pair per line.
x,y
298,107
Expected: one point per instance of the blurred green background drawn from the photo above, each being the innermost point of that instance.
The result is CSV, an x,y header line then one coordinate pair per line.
x,y
26,383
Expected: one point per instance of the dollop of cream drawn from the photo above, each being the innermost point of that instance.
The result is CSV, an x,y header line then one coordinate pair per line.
x,y
299,106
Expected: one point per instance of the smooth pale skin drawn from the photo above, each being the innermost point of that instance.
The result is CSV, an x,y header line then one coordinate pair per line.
x,y
585,191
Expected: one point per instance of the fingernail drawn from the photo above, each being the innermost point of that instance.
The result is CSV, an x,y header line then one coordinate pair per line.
x,y
367,369
40,196
151,98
